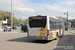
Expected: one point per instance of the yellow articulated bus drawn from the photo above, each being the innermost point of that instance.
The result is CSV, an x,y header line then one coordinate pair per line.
x,y
45,27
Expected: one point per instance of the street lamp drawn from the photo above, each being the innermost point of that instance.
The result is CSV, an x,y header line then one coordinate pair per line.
x,y
67,19
11,16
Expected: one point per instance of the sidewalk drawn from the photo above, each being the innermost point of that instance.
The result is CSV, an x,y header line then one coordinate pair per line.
x,y
72,30
1,29
13,31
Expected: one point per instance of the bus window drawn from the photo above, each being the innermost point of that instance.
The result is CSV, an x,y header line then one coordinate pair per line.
x,y
37,22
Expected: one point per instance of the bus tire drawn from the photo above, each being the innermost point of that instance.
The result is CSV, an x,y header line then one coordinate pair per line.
x,y
62,34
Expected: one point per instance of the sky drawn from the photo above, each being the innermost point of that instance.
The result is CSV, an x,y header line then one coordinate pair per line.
x,y
26,8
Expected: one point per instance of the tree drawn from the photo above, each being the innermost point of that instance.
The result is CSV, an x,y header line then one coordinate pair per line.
x,y
0,18
4,18
7,15
25,21
20,20
15,20
9,21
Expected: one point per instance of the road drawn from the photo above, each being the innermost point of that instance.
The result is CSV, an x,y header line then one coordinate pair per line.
x,y
19,41
67,42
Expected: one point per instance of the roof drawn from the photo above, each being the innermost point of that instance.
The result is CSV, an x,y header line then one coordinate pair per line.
x,y
55,18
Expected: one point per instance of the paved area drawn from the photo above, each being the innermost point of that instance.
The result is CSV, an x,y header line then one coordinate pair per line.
x,y
19,41
72,31
13,31
67,42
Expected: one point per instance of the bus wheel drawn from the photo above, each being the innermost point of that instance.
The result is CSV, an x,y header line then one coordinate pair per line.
x,y
62,34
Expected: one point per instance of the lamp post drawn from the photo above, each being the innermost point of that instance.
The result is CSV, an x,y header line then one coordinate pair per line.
x,y
11,16
67,19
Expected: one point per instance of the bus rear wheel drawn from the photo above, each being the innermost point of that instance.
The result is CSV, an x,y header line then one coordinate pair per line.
x,y
61,36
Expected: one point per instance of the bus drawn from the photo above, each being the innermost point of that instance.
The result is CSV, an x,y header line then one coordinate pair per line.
x,y
45,27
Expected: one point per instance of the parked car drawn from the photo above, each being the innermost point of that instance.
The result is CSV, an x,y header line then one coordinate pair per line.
x,y
14,27
24,28
7,28
3,26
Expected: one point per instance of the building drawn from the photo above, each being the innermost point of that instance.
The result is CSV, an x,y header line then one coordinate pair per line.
x,y
72,22
68,25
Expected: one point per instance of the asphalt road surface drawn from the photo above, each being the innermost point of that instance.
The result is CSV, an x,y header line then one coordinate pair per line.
x,y
19,41
67,42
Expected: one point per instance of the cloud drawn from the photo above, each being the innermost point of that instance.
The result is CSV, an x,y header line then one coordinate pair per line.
x,y
5,5
24,8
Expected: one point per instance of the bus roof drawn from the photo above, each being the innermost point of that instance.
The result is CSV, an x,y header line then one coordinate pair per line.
x,y
48,16
55,18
